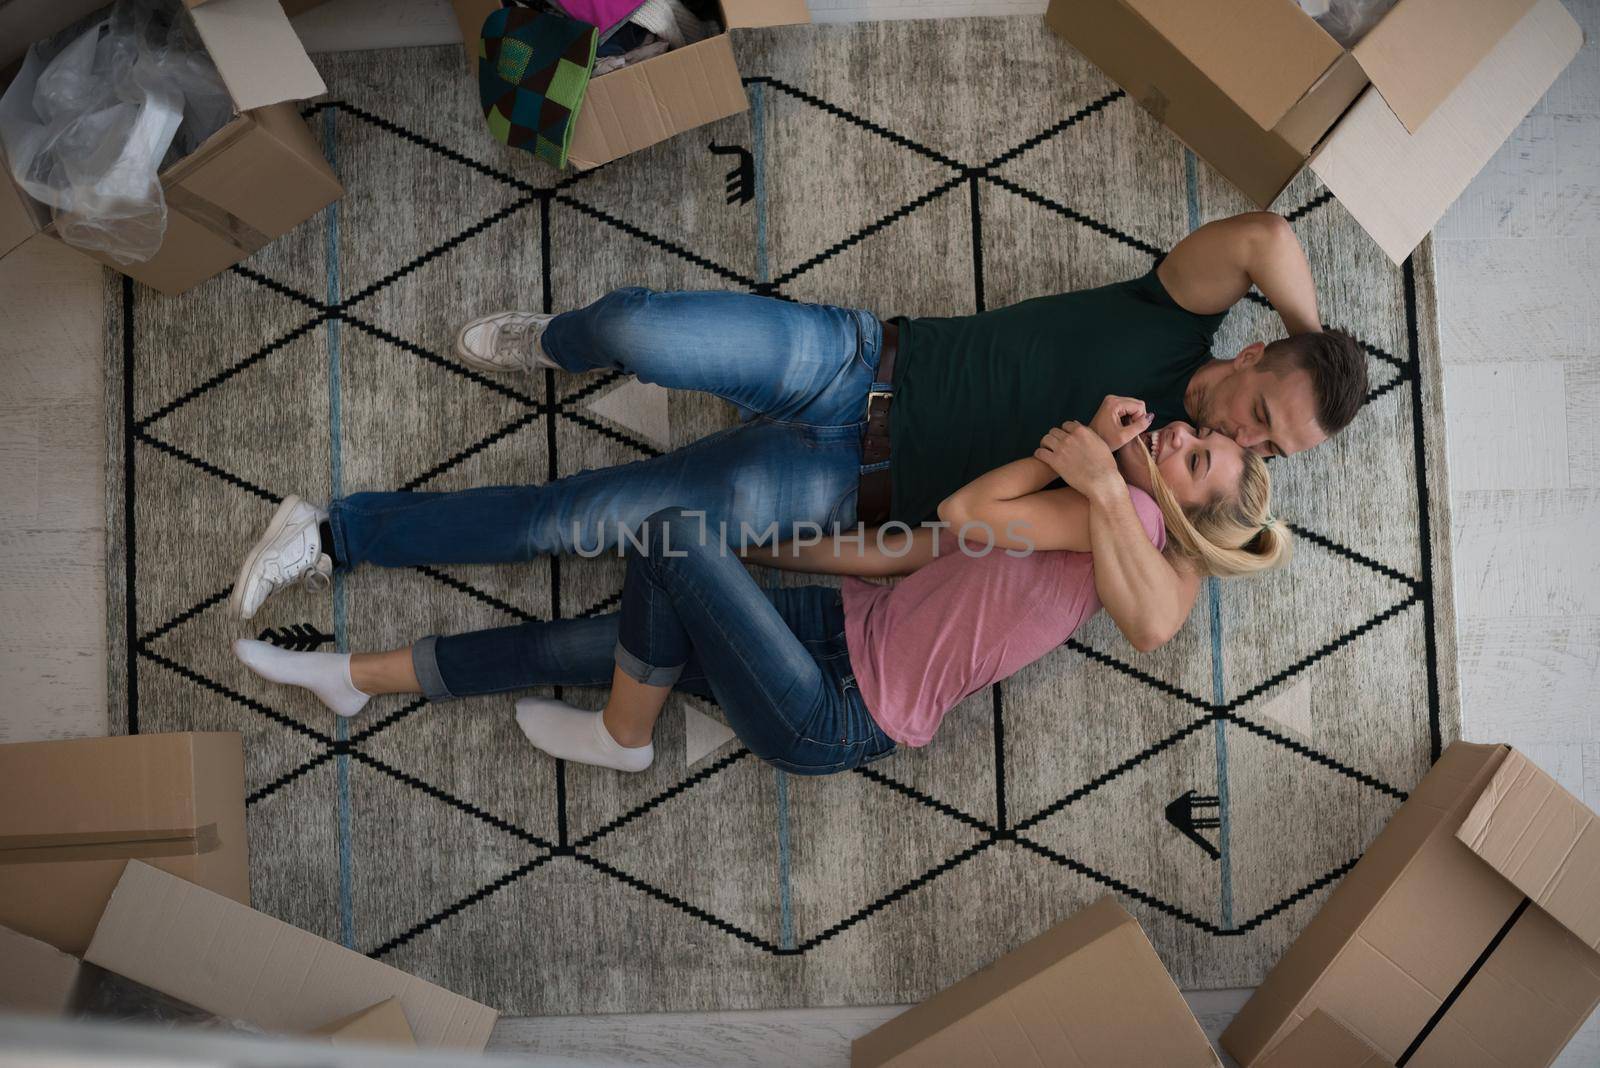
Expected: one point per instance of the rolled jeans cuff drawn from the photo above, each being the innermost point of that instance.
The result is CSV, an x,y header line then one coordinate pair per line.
x,y
640,672
425,662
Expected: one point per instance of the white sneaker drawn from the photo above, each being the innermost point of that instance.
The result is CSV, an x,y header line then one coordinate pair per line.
x,y
505,341
289,552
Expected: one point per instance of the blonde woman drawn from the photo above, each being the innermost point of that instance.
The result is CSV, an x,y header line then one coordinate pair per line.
x,y
817,680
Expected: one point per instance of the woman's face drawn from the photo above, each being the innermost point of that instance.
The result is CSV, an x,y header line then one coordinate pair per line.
x,y
1198,466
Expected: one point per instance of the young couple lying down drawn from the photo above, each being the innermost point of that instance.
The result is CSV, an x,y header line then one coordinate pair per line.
x,y
815,679
1082,450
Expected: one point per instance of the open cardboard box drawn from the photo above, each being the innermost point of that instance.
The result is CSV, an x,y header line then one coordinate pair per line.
x,y
252,181
647,102
228,959
1466,935
39,979
1395,126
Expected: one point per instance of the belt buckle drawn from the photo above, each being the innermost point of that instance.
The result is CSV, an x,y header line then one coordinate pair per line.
x,y
878,391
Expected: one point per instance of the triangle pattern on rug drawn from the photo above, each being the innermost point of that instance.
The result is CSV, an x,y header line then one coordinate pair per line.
x,y
702,736
640,407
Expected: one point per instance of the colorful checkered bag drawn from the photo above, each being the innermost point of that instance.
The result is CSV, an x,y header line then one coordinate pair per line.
x,y
533,69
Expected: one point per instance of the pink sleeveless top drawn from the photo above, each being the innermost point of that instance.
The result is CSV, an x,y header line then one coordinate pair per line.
x,y
944,632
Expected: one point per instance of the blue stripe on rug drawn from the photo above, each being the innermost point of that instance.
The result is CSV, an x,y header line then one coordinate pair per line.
x,y
1191,174
340,630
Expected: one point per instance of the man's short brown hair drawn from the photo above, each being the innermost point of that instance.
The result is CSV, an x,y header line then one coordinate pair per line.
x,y
1338,369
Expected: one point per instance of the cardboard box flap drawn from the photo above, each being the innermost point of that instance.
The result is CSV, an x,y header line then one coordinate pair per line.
x,y
1397,184
1543,840
1286,54
35,977
1090,991
257,53
17,219
751,14
235,962
383,1024
1416,80
1323,1042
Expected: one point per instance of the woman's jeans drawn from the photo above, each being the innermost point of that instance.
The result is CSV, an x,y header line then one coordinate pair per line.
x,y
801,372
693,617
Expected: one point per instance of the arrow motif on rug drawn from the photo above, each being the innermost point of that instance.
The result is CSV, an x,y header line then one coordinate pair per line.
x,y
1181,814
742,179
298,637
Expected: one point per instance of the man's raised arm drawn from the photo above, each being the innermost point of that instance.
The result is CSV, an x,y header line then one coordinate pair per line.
x,y
1213,268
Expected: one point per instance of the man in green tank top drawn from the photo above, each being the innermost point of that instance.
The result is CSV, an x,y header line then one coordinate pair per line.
x,y
978,391
853,419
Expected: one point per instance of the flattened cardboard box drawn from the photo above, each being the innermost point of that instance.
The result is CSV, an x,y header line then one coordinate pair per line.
x,y
648,102
252,181
237,963
1463,937
73,812
1395,126
1088,992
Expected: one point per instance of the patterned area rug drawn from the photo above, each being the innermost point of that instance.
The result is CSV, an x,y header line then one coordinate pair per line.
x,y
1218,787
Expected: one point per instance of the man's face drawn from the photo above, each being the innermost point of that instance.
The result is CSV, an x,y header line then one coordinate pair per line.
x,y
1268,413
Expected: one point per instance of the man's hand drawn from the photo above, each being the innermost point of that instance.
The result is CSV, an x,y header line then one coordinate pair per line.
x,y
1081,457
1120,420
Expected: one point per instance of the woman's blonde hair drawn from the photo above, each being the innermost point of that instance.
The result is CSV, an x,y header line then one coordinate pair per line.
x,y
1234,534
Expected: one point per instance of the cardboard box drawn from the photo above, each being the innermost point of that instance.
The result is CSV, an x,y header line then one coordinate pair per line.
x,y
383,1024
1464,936
644,103
72,813
1323,1042
1088,992
252,181
230,960
1396,126
35,977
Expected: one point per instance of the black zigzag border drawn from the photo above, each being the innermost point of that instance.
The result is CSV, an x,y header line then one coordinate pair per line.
x,y
550,407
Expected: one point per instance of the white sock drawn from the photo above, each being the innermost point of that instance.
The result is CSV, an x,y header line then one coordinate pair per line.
x,y
325,674
574,734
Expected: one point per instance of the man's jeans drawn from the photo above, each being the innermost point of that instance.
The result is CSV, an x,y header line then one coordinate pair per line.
x,y
775,660
800,371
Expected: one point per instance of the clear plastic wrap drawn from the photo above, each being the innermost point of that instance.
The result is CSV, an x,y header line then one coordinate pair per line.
x,y
109,997
1347,21
97,111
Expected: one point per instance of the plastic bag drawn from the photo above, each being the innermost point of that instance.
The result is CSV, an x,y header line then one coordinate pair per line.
x,y
96,112
109,997
1347,21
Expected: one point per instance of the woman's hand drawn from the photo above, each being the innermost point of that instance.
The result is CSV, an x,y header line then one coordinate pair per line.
x,y
1120,420
1080,456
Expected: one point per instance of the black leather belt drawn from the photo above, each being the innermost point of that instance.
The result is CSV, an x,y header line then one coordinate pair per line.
x,y
875,495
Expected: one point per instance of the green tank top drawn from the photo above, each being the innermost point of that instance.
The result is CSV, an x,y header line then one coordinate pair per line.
x,y
978,391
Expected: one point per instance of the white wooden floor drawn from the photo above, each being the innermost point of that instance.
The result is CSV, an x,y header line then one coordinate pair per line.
x,y
1519,291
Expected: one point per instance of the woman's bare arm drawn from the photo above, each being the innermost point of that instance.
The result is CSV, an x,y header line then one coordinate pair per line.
x,y
871,553
1010,507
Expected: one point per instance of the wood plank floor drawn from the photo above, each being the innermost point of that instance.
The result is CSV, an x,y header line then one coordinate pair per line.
x,y
1519,285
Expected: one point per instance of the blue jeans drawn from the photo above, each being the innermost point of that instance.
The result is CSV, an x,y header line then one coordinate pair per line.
x,y
691,616
801,372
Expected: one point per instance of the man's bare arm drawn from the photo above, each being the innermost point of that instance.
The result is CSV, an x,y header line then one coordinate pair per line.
x,y
1146,596
1213,268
